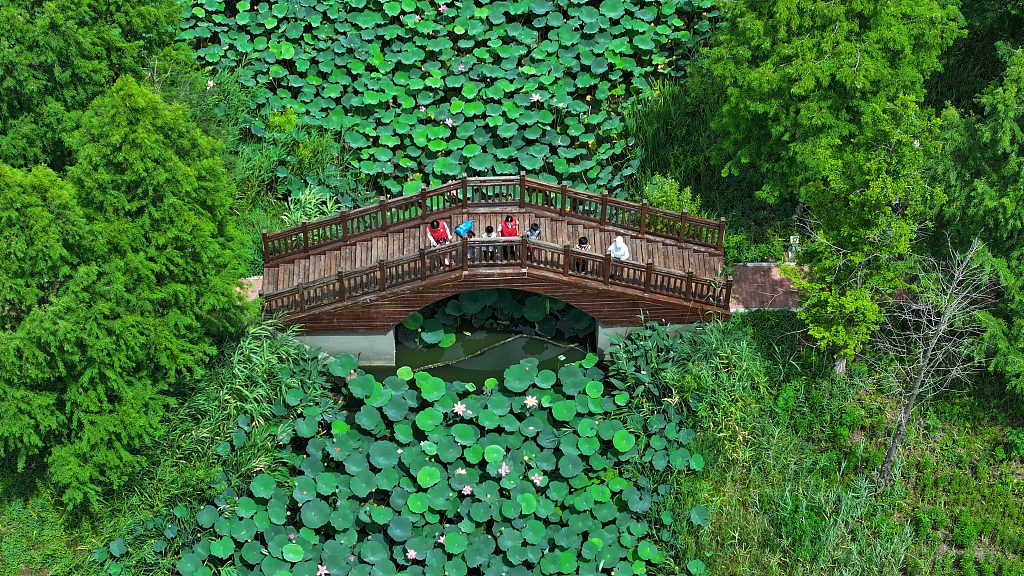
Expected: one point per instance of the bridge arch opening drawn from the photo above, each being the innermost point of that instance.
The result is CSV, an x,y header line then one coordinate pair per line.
x,y
474,335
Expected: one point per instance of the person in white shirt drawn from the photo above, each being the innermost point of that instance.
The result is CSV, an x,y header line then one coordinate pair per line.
x,y
488,251
619,251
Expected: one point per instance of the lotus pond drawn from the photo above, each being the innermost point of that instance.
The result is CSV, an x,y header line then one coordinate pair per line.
x,y
531,471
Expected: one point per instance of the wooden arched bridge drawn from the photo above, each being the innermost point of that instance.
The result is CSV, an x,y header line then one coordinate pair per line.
x,y
363,271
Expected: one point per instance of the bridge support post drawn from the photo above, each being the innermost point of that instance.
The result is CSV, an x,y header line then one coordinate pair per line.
x,y
372,348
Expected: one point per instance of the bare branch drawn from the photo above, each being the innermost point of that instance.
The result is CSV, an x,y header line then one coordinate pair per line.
x,y
929,342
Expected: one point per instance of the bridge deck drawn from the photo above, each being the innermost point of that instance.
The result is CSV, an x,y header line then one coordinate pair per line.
x,y
664,253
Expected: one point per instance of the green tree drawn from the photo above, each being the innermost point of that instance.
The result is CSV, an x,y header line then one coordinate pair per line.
x,y
143,283
58,55
801,75
822,99
982,167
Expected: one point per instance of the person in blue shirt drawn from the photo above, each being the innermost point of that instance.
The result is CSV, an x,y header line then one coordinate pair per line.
x,y
532,234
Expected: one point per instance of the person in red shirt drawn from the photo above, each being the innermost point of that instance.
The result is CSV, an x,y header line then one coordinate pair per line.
x,y
509,229
439,234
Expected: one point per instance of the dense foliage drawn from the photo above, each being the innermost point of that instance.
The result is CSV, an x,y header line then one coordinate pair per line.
x,y
116,280
426,91
823,101
57,56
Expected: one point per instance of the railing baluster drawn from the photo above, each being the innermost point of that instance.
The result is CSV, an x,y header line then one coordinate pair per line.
x,y
465,200
423,202
465,253
522,190
383,266
305,237
607,267
522,251
562,191
423,265
643,218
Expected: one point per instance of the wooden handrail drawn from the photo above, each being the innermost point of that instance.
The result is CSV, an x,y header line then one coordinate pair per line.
x,y
463,193
452,258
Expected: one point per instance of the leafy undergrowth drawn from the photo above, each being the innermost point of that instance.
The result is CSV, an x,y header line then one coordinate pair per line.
x,y
790,482
415,475
966,488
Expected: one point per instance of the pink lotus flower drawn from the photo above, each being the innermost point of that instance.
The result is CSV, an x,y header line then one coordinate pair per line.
x,y
410,554
462,67
449,122
535,98
531,401
504,470
291,535
423,108
441,539
351,558
442,8
399,450
536,479
418,18
322,570
459,408
467,490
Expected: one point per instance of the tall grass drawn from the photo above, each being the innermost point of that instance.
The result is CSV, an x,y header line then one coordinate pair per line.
x,y
786,497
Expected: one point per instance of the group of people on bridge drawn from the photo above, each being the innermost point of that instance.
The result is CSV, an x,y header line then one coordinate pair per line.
x,y
439,234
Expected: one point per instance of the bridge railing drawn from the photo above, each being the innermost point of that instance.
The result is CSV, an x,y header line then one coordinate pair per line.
x,y
437,202
481,253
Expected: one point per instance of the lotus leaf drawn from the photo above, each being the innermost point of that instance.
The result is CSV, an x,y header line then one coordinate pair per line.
x,y
455,543
428,419
494,453
223,547
699,515
428,476
207,516
624,441
383,454
246,507
564,410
